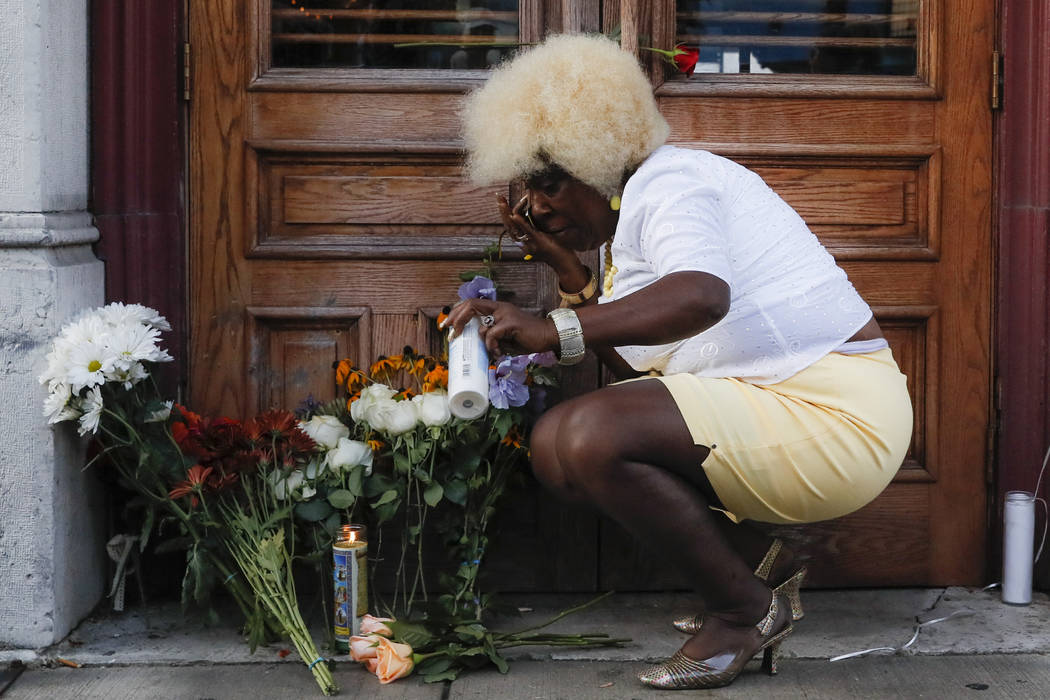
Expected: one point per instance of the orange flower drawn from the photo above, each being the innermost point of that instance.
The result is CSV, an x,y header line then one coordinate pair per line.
x,y
512,438
376,445
363,647
195,478
405,394
386,364
343,368
394,660
443,316
436,378
375,625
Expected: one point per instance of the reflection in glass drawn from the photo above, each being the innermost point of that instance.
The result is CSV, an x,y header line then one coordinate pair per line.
x,y
363,33
856,37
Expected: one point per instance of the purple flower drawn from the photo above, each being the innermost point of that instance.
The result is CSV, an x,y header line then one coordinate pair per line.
x,y
543,359
507,382
478,288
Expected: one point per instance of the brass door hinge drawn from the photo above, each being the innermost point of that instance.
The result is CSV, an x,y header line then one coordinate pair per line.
x,y
998,66
186,71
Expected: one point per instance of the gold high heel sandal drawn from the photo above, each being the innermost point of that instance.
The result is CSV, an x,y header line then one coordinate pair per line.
x,y
683,673
691,624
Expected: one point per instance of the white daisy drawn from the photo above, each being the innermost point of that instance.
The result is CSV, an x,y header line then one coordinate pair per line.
x,y
91,405
57,406
88,364
133,343
128,377
120,314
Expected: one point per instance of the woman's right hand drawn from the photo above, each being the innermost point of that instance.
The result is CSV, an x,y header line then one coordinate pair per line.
x,y
534,242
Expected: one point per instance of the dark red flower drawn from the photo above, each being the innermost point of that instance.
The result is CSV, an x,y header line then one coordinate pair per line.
x,y
685,59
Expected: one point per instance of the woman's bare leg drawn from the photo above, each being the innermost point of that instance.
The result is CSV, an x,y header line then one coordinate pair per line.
x,y
622,449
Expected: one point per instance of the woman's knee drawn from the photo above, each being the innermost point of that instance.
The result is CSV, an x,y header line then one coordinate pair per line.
x,y
585,447
544,453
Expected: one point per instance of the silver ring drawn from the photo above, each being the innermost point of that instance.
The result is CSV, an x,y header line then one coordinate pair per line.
x,y
488,320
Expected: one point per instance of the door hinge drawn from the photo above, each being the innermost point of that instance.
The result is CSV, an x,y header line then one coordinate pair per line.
x,y
186,71
998,66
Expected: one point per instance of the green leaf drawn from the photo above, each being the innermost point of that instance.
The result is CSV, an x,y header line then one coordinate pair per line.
x,y
402,463
313,511
433,493
377,484
385,513
147,528
331,524
473,631
387,497
341,498
355,484
466,459
435,664
495,657
456,491
449,675
413,634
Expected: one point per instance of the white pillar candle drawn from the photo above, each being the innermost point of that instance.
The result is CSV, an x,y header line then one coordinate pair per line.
x,y
1018,546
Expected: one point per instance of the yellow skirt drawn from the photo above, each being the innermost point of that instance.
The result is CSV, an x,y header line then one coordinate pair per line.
x,y
816,446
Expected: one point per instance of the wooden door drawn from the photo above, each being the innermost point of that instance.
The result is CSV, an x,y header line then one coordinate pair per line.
x,y
329,218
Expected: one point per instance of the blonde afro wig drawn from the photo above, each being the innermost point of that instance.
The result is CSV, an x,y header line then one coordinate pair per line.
x,y
579,102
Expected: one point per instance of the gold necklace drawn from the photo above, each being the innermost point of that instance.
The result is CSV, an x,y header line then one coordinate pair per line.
x,y
610,271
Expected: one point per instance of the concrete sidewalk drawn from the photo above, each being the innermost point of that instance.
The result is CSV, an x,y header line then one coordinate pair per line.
x,y
989,650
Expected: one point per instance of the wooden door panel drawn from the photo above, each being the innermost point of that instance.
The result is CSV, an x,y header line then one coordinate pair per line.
x,y
342,204
292,349
801,122
862,202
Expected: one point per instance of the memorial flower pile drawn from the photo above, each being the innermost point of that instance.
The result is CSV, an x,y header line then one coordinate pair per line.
x,y
251,501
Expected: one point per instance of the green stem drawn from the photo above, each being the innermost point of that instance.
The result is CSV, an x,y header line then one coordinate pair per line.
x,y
564,613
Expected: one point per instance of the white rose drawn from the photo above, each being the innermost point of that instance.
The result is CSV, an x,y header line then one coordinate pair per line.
x,y
325,430
283,487
433,408
376,414
350,453
396,417
366,402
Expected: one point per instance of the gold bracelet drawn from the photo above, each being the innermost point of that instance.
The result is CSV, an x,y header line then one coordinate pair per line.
x,y
582,296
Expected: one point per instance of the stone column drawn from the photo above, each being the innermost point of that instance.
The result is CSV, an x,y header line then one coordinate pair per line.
x,y
52,556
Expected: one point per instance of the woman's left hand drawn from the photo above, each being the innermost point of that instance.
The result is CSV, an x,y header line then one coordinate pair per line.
x,y
506,329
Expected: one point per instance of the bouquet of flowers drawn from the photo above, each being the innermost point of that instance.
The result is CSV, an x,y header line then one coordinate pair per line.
x,y
442,475
99,374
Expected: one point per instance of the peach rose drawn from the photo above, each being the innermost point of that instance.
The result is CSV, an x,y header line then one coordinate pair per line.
x,y
371,664
362,648
394,660
374,625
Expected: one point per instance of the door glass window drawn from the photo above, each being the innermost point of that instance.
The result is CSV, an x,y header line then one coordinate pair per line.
x,y
855,37
367,34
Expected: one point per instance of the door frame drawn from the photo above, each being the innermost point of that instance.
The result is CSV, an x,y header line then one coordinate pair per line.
x,y
1021,174
139,124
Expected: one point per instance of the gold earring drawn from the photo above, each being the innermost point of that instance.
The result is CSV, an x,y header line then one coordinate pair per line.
x,y
614,202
